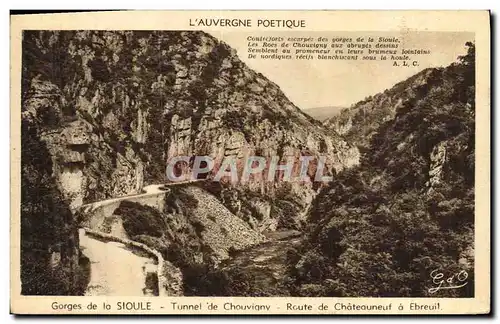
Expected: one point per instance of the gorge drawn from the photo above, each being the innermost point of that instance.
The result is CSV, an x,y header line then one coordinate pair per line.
x,y
108,109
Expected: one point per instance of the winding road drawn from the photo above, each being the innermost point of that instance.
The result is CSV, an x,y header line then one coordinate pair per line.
x,y
116,270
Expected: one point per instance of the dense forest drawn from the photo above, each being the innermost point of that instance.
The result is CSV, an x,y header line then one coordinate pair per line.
x,y
381,228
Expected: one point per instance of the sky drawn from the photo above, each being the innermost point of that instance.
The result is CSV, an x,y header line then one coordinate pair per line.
x,y
322,83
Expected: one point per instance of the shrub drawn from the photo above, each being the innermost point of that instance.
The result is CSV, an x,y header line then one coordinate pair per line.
x,y
140,219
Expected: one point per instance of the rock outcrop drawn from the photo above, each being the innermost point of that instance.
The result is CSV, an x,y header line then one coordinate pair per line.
x,y
437,163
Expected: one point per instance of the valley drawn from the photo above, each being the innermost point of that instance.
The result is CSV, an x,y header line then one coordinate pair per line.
x,y
104,112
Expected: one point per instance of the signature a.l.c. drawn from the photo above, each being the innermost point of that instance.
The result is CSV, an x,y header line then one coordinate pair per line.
x,y
455,281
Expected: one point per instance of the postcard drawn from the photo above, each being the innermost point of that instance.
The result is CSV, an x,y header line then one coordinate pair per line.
x,y
250,163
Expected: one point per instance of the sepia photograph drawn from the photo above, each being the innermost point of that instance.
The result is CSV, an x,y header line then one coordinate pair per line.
x,y
248,163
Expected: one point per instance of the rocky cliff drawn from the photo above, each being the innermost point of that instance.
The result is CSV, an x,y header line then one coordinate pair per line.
x,y
50,258
116,105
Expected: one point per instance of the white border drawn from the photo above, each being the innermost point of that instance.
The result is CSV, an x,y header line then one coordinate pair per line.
x,y
146,4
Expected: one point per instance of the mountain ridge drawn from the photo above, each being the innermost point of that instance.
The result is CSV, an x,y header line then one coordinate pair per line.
x,y
382,227
359,121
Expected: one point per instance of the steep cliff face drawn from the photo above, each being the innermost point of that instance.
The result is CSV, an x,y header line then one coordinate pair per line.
x,y
119,104
50,256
